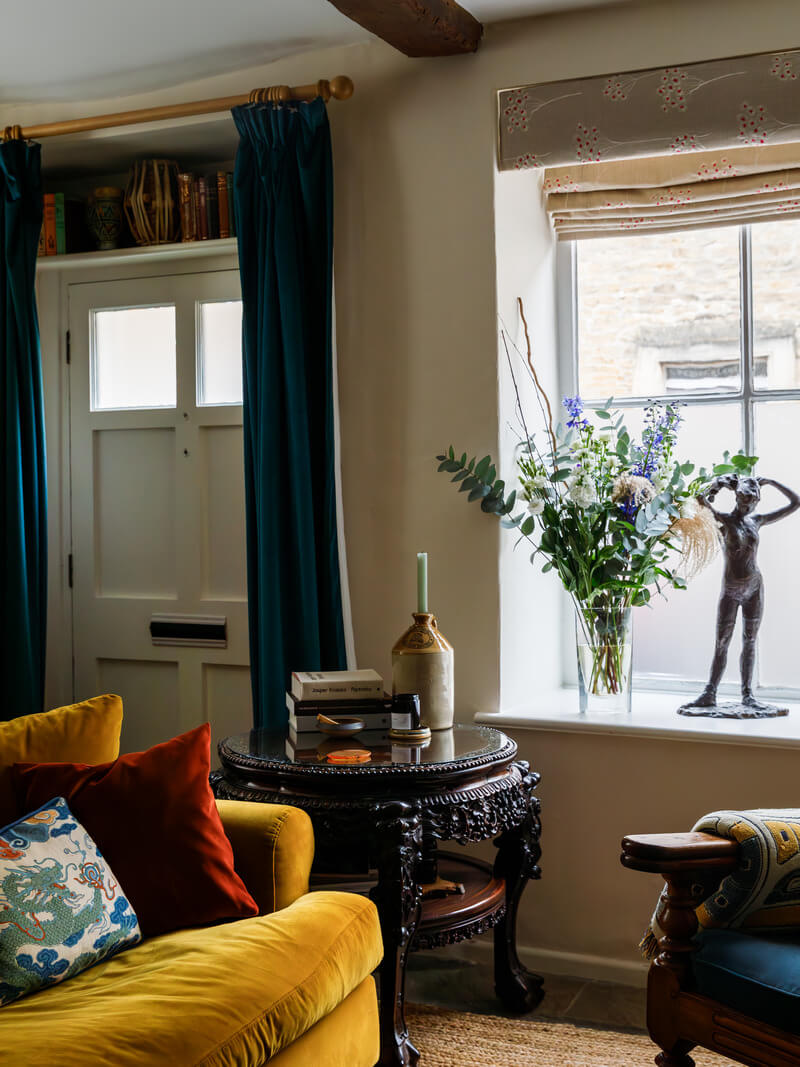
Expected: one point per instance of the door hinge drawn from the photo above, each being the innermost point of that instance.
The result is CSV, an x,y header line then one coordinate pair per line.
x,y
69,348
69,570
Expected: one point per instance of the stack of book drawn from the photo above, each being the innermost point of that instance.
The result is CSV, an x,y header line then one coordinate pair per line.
x,y
350,693
206,206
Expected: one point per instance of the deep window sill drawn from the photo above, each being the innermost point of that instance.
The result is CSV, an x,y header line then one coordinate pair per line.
x,y
652,715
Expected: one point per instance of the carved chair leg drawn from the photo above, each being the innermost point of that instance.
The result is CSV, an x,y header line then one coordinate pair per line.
x,y
670,972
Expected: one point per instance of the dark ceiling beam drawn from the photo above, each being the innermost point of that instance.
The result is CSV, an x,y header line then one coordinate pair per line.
x,y
417,27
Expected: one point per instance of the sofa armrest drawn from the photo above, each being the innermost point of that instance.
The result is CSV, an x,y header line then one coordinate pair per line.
x,y
273,848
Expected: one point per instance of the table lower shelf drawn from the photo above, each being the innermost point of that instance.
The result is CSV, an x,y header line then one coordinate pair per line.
x,y
449,919
457,917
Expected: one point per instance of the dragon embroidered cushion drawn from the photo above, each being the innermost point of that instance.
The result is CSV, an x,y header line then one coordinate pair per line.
x,y
61,907
154,816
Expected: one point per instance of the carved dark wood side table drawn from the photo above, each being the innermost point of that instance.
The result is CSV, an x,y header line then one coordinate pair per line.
x,y
388,816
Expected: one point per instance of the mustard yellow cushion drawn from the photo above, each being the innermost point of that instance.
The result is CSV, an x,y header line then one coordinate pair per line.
x,y
78,733
223,996
348,1037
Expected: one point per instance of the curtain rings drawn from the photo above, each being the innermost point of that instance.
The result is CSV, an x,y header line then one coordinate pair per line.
x,y
272,94
12,133
324,89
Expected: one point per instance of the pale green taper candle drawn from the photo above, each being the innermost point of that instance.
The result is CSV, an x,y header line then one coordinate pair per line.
x,y
422,581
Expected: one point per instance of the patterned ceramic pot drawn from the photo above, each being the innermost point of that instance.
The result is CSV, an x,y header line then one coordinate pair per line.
x,y
104,216
422,662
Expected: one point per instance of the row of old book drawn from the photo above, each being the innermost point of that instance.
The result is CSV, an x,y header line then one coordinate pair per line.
x,y
64,226
206,206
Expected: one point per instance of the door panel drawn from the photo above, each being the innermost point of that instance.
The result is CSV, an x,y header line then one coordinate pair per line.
x,y
134,512
224,572
158,499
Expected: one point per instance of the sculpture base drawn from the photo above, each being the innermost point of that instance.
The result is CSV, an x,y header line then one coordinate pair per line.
x,y
734,711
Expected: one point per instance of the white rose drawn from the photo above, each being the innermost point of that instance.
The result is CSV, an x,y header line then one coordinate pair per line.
x,y
536,507
538,481
582,492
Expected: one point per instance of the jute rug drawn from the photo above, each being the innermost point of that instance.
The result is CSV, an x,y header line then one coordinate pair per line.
x,y
458,1039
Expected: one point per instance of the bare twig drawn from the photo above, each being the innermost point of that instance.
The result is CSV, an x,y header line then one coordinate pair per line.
x,y
536,382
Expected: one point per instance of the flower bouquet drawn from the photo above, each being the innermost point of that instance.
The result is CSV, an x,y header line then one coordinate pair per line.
x,y
615,517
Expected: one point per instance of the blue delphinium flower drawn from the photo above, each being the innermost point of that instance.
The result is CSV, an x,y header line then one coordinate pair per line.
x,y
574,406
661,424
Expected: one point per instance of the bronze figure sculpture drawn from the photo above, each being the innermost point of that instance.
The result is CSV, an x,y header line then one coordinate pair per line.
x,y
742,587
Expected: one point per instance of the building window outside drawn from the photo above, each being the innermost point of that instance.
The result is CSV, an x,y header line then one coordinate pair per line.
x,y
712,318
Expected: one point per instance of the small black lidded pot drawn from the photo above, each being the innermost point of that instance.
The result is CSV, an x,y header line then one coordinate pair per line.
x,y
406,724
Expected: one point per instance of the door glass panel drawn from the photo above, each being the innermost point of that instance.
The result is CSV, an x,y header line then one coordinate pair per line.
x,y
776,303
219,352
133,358
658,314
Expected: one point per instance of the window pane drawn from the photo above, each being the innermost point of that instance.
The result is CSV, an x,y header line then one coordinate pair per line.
x,y
776,303
133,358
776,446
219,352
658,314
675,637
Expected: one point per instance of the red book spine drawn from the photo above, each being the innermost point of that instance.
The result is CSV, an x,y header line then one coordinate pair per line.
x,y
202,208
50,243
222,194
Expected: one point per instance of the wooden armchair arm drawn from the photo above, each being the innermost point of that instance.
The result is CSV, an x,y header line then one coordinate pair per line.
x,y
674,854
686,862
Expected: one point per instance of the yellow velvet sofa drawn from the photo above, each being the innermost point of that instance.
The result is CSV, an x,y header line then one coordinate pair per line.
x,y
291,987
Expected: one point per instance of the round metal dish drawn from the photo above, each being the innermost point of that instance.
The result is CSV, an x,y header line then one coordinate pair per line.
x,y
341,726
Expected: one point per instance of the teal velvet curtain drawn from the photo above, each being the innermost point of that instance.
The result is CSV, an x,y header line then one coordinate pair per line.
x,y
283,194
23,493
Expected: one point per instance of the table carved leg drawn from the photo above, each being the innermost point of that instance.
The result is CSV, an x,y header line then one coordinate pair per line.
x,y
517,861
398,897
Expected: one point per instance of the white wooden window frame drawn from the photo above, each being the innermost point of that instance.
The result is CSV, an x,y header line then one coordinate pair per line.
x,y
746,397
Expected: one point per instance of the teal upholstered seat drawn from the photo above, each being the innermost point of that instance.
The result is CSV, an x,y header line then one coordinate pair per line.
x,y
758,975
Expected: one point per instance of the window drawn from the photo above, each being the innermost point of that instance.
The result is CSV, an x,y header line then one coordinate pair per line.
x,y
219,352
132,358
710,317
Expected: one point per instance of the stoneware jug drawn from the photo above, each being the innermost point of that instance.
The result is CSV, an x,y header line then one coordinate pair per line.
x,y
422,662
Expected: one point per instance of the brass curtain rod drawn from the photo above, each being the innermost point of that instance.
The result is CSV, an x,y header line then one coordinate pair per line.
x,y
340,88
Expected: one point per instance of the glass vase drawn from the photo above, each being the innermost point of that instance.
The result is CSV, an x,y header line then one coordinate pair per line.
x,y
604,642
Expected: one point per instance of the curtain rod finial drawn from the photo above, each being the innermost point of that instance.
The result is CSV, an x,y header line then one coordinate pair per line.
x,y
342,87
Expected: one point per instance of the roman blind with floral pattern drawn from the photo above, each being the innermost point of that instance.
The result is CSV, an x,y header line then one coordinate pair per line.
x,y
701,145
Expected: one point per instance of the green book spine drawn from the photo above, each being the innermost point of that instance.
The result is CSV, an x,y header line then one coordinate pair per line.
x,y
61,226
231,208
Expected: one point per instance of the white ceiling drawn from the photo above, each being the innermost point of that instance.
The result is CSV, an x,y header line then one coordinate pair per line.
x,y
82,49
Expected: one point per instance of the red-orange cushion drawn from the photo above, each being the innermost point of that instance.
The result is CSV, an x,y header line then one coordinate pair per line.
x,y
154,819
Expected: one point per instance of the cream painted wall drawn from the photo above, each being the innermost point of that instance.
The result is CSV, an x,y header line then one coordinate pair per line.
x,y
417,333
588,913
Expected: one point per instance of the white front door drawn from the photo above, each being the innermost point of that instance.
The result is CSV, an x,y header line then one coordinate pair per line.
x,y
157,498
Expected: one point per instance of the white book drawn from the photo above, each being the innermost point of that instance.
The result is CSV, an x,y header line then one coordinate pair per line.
x,y
336,685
